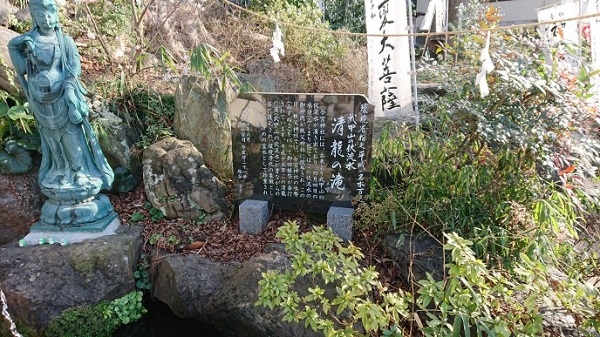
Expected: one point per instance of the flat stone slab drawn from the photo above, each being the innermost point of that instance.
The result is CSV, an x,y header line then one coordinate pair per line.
x,y
54,235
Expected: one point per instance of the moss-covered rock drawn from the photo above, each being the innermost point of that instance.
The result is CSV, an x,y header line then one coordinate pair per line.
x,y
41,282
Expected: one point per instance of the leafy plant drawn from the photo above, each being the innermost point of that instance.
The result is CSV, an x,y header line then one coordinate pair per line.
x,y
434,181
155,213
314,51
83,321
209,62
475,300
99,320
142,273
148,112
19,26
126,309
124,180
16,114
154,238
537,101
326,287
15,159
348,14
18,135
342,298
137,216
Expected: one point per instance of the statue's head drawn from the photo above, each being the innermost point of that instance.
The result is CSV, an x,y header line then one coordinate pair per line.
x,y
41,10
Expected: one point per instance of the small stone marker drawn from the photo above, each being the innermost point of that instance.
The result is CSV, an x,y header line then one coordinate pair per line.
x,y
302,152
339,219
254,215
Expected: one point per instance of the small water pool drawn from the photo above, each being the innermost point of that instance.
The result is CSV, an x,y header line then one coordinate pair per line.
x,y
161,322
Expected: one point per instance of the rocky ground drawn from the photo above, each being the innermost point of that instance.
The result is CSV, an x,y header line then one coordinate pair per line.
x,y
222,241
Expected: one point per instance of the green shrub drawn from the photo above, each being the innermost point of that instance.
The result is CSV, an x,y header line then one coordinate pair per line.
x,y
18,135
500,170
344,299
99,320
476,300
314,50
440,182
327,287
82,321
148,112
346,14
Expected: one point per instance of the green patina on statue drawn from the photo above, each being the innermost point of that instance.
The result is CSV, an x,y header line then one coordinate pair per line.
x,y
73,169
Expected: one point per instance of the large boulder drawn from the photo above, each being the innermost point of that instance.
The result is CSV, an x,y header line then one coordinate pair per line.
x,y
21,202
117,138
416,257
41,281
202,117
177,182
6,11
224,295
8,79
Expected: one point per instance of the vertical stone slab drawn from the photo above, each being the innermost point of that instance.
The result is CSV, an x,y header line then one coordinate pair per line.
x,y
303,151
201,117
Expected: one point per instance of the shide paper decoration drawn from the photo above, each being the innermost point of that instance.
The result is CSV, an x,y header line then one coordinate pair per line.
x,y
486,67
278,47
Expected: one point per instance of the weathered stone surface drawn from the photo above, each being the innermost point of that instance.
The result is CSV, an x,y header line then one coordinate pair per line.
x,y
6,10
559,323
7,326
202,117
178,183
260,83
416,257
8,80
21,203
118,139
41,281
23,14
224,295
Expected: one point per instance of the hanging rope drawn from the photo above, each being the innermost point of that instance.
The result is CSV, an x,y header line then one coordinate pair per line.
x,y
454,32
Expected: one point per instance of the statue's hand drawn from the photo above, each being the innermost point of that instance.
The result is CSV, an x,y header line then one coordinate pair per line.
x,y
74,115
24,43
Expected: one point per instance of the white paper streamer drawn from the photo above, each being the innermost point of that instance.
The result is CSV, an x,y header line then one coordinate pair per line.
x,y
486,67
278,47
6,315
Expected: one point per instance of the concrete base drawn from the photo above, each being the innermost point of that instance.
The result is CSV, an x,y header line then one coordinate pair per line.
x,y
254,215
339,219
43,234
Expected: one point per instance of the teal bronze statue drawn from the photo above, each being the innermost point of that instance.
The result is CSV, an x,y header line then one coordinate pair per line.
x,y
73,169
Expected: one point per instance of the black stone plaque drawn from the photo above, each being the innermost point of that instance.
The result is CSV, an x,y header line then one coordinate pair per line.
x,y
302,151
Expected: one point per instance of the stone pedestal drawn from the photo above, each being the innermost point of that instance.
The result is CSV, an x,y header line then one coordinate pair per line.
x,y
93,214
44,234
71,221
